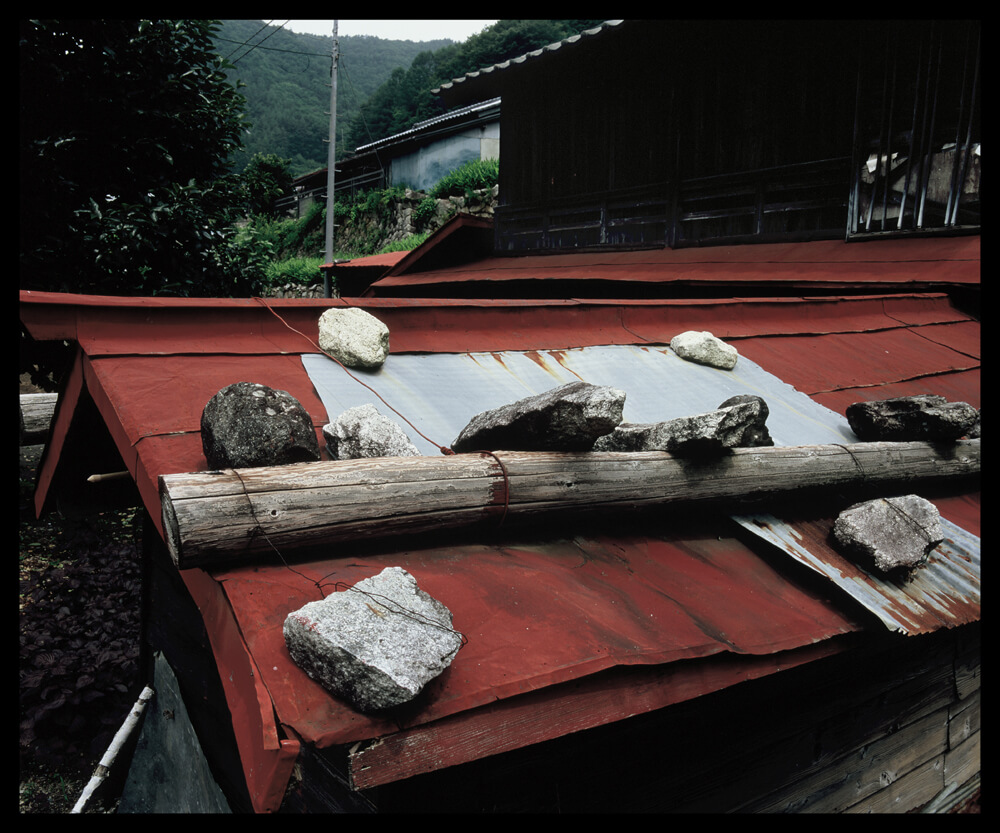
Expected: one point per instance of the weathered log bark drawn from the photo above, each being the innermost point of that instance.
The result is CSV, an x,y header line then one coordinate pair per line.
x,y
36,415
228,515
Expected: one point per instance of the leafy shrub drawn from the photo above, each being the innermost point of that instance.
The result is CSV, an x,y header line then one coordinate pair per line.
x,y
405,245
424,212
472,176
306,235
289,237
79,649
265,179
297,270
362,218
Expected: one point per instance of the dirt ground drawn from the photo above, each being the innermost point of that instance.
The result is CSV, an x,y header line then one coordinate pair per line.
x,y
55,786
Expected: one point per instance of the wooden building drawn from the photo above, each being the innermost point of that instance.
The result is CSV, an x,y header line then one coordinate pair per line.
x,y
685,133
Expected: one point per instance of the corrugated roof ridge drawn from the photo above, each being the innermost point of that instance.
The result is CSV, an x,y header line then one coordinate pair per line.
x,y
451,114
552,47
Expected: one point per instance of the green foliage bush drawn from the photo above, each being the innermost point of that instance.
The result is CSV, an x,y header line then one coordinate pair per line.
x,y
124,159
472,176
405,245
287,237
362,218
425,210
265,178
295,270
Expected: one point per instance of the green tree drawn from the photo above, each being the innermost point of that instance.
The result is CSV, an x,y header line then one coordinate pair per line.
x,y
126,130
265,178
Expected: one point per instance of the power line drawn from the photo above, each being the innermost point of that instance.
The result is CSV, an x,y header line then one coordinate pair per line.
x,y
256,45
275,48
261,29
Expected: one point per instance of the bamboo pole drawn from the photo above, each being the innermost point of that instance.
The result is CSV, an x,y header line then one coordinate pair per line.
x,y
229,515
101,772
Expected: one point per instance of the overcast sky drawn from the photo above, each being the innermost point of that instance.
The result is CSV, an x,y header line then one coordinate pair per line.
x,y
415,30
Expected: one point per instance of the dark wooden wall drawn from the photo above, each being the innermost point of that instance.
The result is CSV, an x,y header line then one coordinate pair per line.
x,y
681,132
884,727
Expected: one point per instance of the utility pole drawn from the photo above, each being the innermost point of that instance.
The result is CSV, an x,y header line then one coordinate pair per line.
x,y
331,158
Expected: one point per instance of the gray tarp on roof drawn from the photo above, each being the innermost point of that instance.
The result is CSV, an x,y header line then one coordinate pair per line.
x,y
439,393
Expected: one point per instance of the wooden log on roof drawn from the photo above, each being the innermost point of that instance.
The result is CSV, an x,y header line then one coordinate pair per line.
x,y
229,515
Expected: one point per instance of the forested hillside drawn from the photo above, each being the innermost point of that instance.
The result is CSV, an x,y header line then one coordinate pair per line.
x,y
287,79
384,86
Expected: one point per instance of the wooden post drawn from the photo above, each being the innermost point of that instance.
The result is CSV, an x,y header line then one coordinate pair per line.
x,y
228,515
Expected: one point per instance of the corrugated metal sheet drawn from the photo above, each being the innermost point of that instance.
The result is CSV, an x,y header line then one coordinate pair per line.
x,y
540,612
439,393
943,592
420,127
520,59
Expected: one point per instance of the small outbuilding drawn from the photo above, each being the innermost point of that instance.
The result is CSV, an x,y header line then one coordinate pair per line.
x,y
712,656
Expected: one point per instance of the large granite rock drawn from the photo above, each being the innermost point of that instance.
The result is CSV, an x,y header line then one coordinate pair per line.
x,y
376,645
566,418
247,425
704,348
910,418
364,432
890,533
354,337
739,424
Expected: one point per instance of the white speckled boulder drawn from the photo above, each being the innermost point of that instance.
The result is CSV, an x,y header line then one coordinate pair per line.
x,y
354,337
704,348
364,432
375,645
247,424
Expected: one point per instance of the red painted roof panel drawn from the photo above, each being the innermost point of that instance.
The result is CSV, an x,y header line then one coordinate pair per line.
x,y
538,614
827,263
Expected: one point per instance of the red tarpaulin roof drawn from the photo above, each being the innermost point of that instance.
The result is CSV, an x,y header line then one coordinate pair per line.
x,y
563,633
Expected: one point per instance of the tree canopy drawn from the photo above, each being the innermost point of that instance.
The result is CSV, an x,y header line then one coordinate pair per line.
x,y
126,132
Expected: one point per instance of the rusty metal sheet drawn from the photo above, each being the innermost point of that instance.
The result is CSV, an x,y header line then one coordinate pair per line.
x,y
944,592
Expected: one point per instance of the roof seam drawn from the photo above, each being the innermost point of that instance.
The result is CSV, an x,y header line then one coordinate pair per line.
x,y
930,375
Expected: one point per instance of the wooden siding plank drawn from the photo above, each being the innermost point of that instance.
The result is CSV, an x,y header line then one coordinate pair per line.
x,y
910,791
964,762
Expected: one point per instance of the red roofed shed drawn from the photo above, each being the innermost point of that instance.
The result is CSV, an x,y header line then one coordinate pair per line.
x,y
568,630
